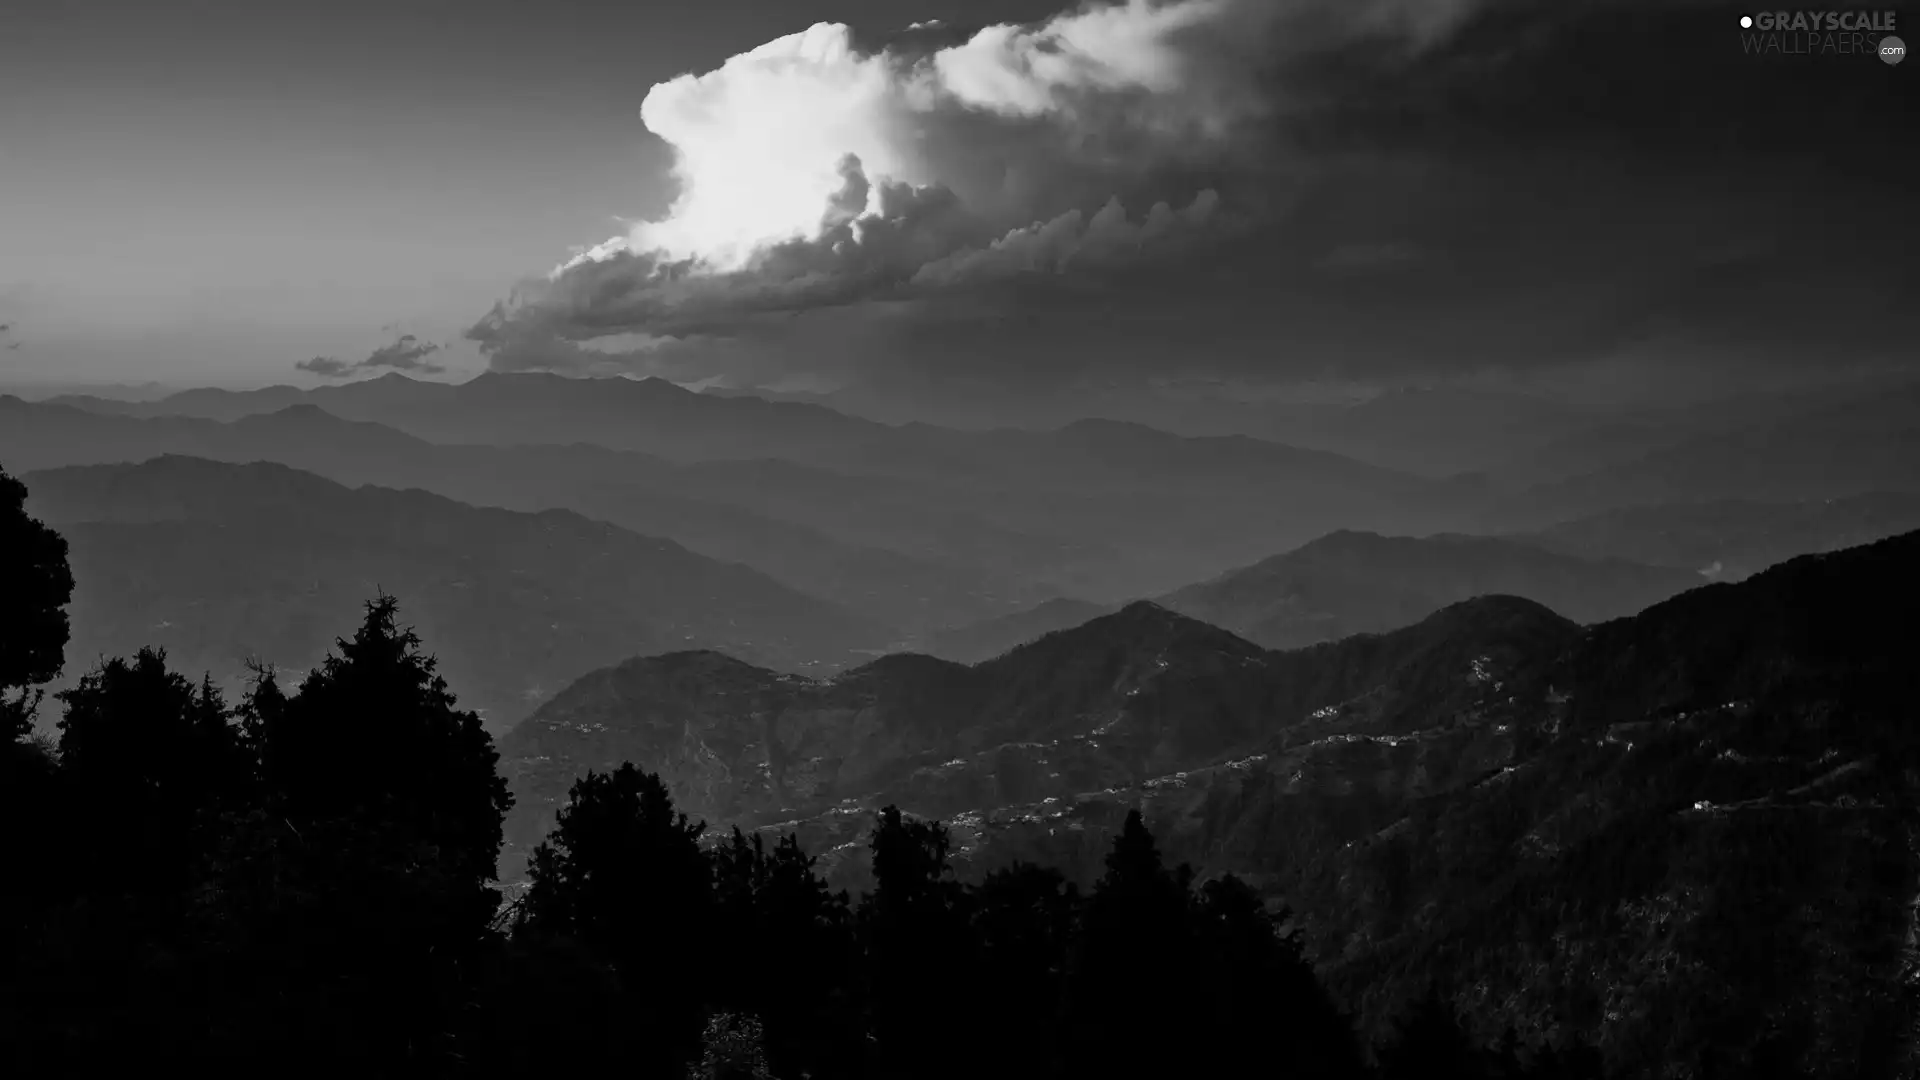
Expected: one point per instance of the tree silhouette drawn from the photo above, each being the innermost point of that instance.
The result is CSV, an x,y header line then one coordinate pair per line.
x,y
1025,917
35,588
382,813
919,949
1128,1014
623,873
1260,981
152,759
786,955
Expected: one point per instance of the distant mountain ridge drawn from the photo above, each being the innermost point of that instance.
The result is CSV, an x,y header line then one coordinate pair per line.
x,y
1095,509
221,563
988,638
1351,582
1728,539
644,494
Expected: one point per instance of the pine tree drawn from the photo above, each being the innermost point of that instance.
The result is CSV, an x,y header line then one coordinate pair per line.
x,y
381,817
920,961
1129,1012
1261,982
1024,916
624,874
152,759
373,747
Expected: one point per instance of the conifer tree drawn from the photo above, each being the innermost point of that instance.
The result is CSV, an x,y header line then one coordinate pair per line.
x,y
152,759
623,873
381,817
919,951
1260,981
1025,918
373,750
1135,951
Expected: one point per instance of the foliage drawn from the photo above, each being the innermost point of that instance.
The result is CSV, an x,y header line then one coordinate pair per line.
x,y
35,587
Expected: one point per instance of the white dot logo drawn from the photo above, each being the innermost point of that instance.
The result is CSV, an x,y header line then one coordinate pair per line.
x,y
1892,49
1746,22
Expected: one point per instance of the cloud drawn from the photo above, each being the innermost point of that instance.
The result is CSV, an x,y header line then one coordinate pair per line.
x,y
814,175
1235,187
326,367
405,353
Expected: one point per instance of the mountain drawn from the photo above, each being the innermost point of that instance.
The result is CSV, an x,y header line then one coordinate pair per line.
x,y
1129,695
220,563
647,495
1729,539
1356,582
988,638
1096,509
1868,444
1685,832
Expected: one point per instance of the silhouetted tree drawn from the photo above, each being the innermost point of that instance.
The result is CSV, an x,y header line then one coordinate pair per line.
x,y
1260,981
623,873
1130,1010
383,807
786,954
1025,917
549,1004
919,948
152,759
35,588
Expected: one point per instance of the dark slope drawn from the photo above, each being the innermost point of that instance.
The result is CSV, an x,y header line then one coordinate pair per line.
x,y
1354,582
221,562
1695,830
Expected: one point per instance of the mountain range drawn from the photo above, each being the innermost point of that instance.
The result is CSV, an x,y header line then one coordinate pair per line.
x,y
1349,583
223,563
1623,831
1727,539
1096,508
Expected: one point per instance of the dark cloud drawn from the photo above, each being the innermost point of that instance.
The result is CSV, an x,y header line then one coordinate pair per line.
x,y
405,353
327,367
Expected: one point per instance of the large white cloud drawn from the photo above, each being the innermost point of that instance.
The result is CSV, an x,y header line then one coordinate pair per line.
x,y
814,175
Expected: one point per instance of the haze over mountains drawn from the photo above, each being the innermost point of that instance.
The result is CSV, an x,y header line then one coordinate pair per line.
x,y
960,543
222,564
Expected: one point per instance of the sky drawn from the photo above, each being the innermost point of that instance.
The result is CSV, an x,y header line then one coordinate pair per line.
x,y
948,197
